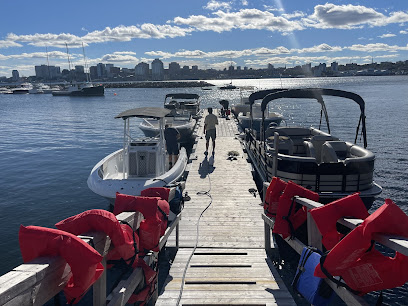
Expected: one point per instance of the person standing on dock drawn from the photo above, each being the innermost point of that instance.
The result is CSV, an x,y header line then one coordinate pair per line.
x,y
172,136
209,129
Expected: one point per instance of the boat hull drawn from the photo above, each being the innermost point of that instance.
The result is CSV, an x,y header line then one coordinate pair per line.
x,y
95,91
106,177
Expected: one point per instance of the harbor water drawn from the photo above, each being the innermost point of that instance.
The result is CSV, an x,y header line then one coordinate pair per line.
x,y
48,145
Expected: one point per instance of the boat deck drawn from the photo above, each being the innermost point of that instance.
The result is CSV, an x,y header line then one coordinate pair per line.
x,y
230,265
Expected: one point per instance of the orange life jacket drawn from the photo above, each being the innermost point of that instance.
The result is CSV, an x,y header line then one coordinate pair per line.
x,y
363,268
272,195
326,217
288,217
124,239
85,262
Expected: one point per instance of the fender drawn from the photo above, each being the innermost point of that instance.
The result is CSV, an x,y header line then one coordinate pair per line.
x,y
363,268
125,241
326,217
85,262
272,195
288,219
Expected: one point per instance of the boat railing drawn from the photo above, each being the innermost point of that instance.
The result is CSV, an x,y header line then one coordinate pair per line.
x,y
314,239
40,280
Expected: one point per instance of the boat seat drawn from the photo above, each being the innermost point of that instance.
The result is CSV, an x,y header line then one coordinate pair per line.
x,y
310,150
318,141
328,153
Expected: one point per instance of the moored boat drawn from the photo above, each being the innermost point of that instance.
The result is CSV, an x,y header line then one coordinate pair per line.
x,y
81,90
311,157
179,102
140,164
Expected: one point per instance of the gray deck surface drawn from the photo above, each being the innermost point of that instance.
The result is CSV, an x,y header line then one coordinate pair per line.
x,y
229,266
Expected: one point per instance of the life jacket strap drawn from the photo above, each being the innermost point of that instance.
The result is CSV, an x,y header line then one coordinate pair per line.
x,y
336,281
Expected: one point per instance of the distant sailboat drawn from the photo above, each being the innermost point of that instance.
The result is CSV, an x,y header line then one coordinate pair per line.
x,y
80,90
228,86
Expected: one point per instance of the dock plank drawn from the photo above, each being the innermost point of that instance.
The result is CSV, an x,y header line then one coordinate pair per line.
x,y
229,265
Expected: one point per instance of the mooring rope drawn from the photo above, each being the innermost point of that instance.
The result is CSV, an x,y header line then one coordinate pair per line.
x,y
208,194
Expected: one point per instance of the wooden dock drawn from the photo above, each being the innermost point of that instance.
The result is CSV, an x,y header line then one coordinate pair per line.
x,y
229,265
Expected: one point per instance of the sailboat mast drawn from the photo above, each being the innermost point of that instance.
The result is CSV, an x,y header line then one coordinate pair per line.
x,y
48,65
87,72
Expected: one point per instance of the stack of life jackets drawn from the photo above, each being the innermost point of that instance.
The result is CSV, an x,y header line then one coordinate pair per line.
x,y
272,195
85,261
124,239
155,212
358,263
155,209
288,216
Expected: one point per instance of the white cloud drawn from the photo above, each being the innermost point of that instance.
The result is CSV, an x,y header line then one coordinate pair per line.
x,y
387,35
403,32
343,16
4,44
120,33
377,47
245,19
216,5
119,57
320,48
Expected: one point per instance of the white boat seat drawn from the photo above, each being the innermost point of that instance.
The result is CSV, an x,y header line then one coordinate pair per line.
x,y
329,154
310,150
318,141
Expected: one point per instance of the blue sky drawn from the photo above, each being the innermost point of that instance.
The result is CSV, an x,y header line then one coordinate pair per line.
x,y
210,34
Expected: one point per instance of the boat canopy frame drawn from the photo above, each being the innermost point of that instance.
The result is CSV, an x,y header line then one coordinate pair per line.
x,y
142,112
317,94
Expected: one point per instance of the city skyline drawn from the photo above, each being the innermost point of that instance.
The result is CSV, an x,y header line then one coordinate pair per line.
x,y
208,34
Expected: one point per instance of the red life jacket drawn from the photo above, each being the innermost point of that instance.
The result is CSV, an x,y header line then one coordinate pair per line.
x,y
150,276
288,219
272,196
326,217
85,262
161,192
363,268
154,225
125,241
163,204
146,205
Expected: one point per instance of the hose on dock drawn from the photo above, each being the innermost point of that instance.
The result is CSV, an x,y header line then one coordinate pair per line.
x,y
207,193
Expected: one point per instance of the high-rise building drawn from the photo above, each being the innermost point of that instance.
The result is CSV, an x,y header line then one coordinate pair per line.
x,y
157,70
15,75
174,69
47,72
142,71
101,70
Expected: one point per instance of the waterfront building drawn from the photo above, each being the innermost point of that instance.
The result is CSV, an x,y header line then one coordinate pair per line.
x,y
174,69
157,70
101,70
142,71
15,75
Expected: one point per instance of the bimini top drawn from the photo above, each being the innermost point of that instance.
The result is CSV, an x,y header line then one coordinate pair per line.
x,y
144,112
313,93
258,95
182,96
318,93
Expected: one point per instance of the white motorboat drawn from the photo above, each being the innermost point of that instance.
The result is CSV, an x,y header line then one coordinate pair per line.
x,y
23,89
182,121
311,157
4,90
179,102
140,164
